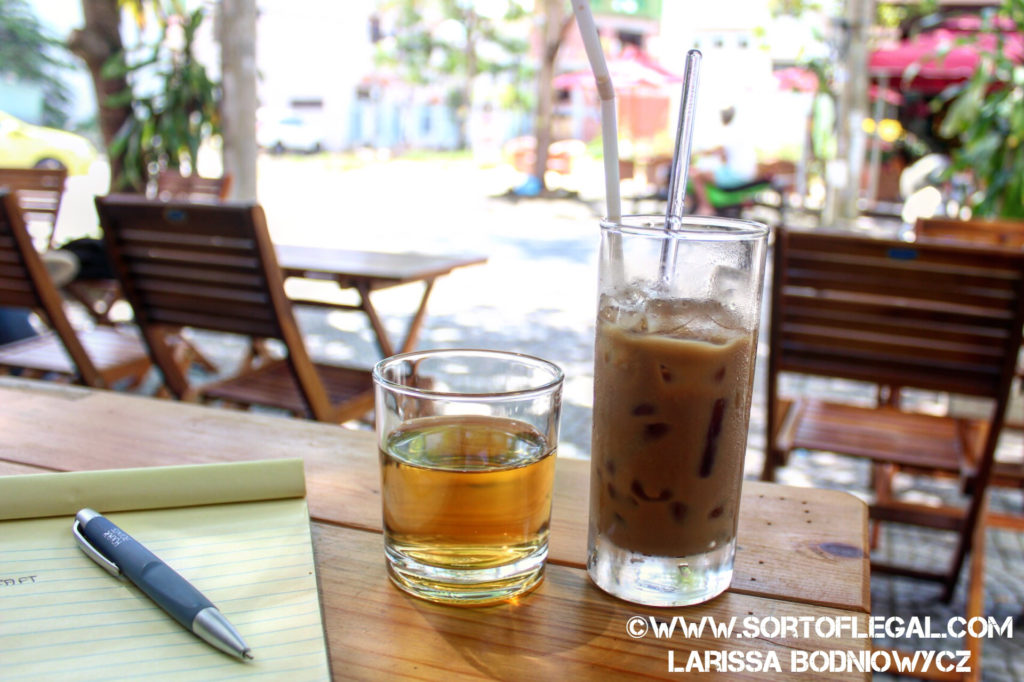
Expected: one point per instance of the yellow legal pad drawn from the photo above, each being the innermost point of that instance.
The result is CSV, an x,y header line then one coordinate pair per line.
x,y
238,532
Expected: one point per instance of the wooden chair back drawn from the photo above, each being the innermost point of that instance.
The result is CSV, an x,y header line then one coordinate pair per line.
x,y
996,232
171,184
25,283
39,192
205,266
943,317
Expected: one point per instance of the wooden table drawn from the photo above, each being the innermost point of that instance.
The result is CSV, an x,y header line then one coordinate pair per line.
x,y
369,271
802,551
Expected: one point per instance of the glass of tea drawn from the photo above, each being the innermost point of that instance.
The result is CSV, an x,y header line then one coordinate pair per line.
x,y
467,443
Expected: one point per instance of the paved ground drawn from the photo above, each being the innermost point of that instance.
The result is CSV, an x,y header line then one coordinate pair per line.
x,y
537,295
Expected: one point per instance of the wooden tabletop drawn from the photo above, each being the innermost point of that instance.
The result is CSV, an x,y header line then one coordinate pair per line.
x,y
397,268
802,552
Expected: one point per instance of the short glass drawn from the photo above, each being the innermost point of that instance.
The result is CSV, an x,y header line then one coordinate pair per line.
x,y
675,347
467,443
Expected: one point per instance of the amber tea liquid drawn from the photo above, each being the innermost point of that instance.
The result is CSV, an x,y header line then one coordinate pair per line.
x,y
467,505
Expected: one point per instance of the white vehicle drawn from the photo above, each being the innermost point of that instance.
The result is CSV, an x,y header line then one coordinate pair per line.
x,y
288,133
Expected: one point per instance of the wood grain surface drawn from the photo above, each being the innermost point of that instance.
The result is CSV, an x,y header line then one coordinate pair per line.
x,y
565,629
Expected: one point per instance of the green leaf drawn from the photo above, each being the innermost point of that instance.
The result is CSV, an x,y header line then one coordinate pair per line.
x,y
119,99
114,67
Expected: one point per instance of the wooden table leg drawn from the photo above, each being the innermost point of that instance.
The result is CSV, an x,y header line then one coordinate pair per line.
x,y
415,325
412,334
383,342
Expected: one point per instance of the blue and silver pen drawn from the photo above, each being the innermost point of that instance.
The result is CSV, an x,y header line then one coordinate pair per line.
x,y
124,557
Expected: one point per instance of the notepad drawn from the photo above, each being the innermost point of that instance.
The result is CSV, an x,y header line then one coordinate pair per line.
x,y
238,532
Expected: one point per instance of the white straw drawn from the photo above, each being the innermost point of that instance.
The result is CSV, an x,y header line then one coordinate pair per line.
x,y
609,126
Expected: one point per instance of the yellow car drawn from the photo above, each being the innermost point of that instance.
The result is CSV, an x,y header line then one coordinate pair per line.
x,y
23,145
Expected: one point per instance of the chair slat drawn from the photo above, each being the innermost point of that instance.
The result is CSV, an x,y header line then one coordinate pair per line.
x,y
1008,233
267,329
221,258
203,293
221,220
169,302
924,318
861,365
176,272
160,237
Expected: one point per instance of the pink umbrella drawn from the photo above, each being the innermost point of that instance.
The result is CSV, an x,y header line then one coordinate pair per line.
x,y
796,79
642,86
939,58
632,68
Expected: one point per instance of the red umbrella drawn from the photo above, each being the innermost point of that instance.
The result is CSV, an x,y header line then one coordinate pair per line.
x,y
940,57
632,68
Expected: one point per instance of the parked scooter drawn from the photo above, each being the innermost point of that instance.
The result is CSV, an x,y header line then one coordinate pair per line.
x,y
731,202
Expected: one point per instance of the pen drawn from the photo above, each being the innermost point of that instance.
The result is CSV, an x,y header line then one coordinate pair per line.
x,y
122,556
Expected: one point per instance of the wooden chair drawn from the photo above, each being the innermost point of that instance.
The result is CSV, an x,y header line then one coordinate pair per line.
x,y
997,232
100,357
938,317
213,267
39,192
100,295
171,184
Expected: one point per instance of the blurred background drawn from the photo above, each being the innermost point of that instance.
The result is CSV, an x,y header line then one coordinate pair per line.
x,y
839,96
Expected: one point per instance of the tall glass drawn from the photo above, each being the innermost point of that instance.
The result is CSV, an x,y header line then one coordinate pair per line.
x,y
467,452
674,359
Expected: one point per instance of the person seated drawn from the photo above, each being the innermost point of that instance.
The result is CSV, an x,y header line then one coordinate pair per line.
x,y
736,162
16,323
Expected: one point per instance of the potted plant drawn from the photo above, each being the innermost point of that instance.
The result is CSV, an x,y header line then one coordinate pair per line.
x,y
174,103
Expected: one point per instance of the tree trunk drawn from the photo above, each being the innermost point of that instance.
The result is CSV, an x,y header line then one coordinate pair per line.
x,y
97,41
554,26
237,39
841,208
469,53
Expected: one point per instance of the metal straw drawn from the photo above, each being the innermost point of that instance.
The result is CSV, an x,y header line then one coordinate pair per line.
x,y
684,139
681,158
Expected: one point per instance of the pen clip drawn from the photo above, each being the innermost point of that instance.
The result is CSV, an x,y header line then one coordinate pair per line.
x,y
93,553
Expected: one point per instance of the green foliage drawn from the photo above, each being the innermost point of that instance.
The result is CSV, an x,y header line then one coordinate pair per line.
x,y
29,54
174,103
986,117
421,46
796,8
896,14
423,52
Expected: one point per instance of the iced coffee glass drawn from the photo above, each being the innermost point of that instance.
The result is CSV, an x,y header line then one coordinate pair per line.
x,y
467,444
674,358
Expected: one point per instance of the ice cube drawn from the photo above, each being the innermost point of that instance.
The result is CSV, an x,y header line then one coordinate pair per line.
x,y
728,287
